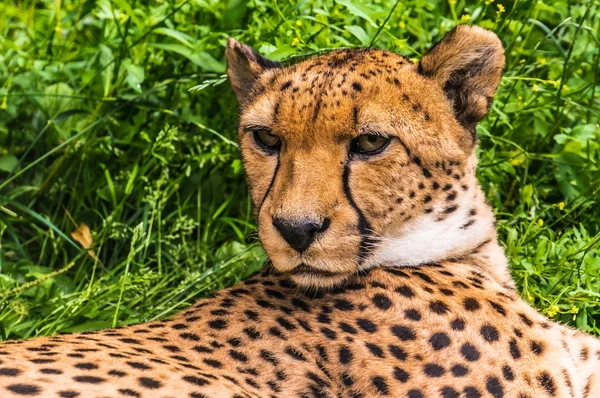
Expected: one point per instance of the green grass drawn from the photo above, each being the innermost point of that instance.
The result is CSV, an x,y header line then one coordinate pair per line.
x,y
116,114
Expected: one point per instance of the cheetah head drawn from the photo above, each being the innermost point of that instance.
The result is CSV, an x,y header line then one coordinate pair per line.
x,y
358,158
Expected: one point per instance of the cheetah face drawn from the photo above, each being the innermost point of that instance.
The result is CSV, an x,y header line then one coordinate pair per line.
x,y
351,150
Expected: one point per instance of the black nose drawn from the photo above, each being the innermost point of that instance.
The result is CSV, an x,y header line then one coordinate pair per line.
x,y
299,234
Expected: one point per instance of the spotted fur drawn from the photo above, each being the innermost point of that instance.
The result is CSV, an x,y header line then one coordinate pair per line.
x,y
404,291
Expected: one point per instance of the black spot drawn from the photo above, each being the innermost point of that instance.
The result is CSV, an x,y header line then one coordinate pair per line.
x,y
494,387
439,341
212,363
301,304
199,381
472,392
439,307
404,333
507,372
345,355
252,333
433,370
356,86
117,373
547,383
457,324
347,379
366,325
138,365
218,324
537,348
330,334
459,370
129,393
489,333
380,385
190,336
48,371
286,324
414,394
24,389
405,291
286,85
526,320
397,352
179,326
9,372
295,353
471,304
469,352
412,314
449,392
514,349
89,379
274,293
68,394
343,305
238,356
375,350
401,375
382,301
253,315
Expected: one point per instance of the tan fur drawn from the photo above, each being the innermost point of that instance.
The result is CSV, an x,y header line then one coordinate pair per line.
x,y
406,293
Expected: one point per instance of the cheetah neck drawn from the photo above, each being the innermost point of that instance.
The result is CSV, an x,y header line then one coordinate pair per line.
x,y
469,232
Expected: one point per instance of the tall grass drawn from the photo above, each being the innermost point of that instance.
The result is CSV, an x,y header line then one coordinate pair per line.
x,y
115,115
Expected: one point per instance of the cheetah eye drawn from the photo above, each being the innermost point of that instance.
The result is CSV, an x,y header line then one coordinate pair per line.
x,y
267,140
369,144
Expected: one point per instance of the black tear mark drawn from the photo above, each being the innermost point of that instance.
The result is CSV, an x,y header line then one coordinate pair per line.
x,y
363,224
269,188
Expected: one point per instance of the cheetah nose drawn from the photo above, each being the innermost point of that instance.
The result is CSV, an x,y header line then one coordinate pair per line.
x,y
299,234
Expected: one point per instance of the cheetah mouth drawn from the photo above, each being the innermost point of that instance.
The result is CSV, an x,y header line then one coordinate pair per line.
x,y
304,269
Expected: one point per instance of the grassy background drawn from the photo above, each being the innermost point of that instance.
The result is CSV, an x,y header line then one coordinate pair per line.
x,y
115,114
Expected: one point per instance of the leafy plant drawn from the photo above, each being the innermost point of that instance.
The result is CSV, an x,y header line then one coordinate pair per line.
x,y
116,115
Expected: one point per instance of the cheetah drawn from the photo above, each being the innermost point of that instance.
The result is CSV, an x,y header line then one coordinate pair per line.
x,y
385,275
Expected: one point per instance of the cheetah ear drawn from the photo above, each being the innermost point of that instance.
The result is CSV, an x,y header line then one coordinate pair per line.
x,y
467,64
244,66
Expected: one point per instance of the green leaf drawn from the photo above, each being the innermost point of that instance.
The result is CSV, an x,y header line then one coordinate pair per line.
x,y
359,9
181,37
8,163
360,34
201,58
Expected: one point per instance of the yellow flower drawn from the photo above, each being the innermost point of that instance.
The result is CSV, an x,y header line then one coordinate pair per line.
x,y
402,25
542,61
122,15
540,222
298,22
580,71
452,2
295,41
556,83
529,297
465,18
3,104
501,8
535,88
489,1
552,311
522,61
561,206
519,98
565,87
574,310
57,28
517,161
336,12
